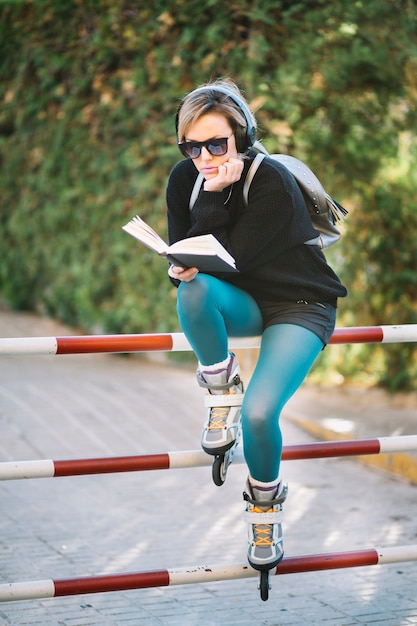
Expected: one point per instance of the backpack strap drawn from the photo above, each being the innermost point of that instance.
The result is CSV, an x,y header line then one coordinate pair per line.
x,y
319,202
249,176
309,184
317,199
196,190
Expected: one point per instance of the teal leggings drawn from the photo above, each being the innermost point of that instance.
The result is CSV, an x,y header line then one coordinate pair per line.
x,y
211,310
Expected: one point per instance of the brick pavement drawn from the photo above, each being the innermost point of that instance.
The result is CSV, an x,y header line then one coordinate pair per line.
x,y
98,405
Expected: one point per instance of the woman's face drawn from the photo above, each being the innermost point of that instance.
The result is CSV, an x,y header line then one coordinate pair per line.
x,y
212,126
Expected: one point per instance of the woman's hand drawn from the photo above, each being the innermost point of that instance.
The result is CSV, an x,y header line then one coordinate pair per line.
x,y
181,273
227,174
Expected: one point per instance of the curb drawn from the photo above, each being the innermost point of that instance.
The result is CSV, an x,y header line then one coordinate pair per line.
x,y
400,463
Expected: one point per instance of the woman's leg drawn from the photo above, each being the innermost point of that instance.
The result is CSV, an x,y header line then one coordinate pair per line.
x,y
286,356
287,353
210,310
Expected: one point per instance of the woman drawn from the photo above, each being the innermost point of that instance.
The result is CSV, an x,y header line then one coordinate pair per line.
x,y
284,291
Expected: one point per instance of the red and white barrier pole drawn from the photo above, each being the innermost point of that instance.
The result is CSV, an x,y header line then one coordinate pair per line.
x,y
13,470
201,574
176,342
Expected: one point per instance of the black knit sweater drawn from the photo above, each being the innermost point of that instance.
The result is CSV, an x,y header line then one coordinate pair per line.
x,y
266,238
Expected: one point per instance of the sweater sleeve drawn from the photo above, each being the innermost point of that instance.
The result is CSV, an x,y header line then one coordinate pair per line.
x,y
275,220
209,213
178,192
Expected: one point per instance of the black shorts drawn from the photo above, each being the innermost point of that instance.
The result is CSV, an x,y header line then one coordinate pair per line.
x,y
318,317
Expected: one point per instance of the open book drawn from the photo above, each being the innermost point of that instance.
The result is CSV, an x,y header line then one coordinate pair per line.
x,y
204,251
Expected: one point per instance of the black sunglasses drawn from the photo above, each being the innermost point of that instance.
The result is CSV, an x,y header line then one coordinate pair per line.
x,y
192,149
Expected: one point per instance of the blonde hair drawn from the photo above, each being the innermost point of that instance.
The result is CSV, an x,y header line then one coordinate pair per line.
x,y
209,99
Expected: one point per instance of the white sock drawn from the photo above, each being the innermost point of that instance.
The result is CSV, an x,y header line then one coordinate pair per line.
x,y
263,492
215,366
257,483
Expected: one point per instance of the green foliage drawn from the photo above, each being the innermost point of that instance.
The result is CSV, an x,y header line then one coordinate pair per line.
x,y
88,92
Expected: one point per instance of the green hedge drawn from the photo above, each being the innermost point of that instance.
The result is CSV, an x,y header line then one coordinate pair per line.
x,y
89,91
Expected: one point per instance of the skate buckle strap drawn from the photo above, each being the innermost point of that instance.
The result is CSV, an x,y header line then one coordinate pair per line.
x,y
202,383
268,503
258,516
227,399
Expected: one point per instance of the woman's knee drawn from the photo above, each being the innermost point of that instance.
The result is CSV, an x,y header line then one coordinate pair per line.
x,y
260,412
258,421
254,424
193,296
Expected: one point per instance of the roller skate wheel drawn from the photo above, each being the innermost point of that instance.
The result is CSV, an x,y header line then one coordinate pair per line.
x,y
219,470
264,586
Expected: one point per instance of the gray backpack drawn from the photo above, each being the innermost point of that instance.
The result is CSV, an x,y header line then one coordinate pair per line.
x,y
324,211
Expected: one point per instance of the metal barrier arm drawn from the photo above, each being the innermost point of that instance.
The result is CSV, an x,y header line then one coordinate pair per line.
x,y
201,574
13,470
176,342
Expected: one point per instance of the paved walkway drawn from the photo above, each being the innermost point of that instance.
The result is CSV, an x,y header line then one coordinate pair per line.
x,y
99,405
